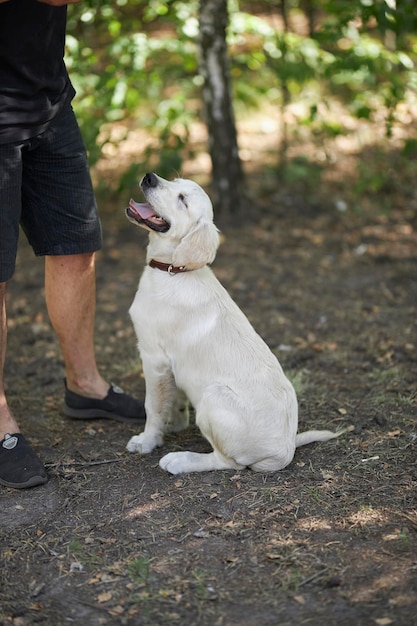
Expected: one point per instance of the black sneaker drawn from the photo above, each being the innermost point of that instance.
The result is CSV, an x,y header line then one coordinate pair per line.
x,y
19,465
117,405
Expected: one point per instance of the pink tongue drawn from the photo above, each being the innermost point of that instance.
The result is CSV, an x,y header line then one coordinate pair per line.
x,y
144,210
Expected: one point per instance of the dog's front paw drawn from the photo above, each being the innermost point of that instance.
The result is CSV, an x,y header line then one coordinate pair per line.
x,y
143,443
135,444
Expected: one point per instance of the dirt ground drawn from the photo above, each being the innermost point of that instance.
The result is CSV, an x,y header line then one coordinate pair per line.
x,y
331,539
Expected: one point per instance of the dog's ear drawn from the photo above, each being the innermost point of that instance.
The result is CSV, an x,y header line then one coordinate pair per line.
x,y
198,247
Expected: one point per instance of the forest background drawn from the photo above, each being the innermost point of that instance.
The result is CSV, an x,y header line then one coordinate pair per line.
x,y
322,73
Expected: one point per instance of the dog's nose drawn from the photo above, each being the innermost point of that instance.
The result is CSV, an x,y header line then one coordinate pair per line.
x,y
149,180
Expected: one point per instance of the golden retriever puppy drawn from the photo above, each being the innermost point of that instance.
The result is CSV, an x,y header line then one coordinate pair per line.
x,y
194,338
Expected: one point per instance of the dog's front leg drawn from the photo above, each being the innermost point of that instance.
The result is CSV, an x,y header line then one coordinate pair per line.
x,y
160,398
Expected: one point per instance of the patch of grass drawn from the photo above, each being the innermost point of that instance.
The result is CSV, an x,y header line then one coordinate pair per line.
x,y
75,548
204,588
299,380
405,538
79,551
291,579
315,494
138,570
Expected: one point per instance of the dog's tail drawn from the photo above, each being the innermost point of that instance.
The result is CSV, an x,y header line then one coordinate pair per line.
x,y
310,436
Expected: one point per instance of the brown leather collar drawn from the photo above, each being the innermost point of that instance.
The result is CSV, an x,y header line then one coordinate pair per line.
x,y
167,267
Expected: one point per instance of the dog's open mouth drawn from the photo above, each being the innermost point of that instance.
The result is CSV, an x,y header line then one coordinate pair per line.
x,y
143,214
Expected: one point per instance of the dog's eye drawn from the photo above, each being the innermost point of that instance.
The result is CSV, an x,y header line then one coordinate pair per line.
x,y
182,199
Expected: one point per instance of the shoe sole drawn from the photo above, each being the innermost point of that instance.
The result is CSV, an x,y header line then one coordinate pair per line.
x,y
32,482
91,414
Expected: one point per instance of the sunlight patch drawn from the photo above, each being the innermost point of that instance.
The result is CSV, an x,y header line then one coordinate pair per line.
x,y
314,523
367,515
144,509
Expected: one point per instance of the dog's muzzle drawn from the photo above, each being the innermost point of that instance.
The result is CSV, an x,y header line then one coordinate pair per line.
x,y
144,215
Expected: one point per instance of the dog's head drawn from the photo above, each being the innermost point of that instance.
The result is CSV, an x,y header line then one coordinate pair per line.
x,y
179,216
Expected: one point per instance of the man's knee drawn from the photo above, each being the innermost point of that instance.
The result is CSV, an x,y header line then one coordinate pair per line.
x,y
72,262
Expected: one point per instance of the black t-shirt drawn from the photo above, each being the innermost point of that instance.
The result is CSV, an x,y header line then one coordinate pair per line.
x,y
34,83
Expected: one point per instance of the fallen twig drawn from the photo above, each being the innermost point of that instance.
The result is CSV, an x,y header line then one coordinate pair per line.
x,y
313,577
82,463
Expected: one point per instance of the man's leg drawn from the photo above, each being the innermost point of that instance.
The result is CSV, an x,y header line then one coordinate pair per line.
x,y
71,301
8,423
70,291
19,464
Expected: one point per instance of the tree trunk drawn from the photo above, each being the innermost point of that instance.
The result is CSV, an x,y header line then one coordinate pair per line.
x,y
227,173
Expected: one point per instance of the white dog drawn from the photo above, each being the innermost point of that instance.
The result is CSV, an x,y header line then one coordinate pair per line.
x,y
193,337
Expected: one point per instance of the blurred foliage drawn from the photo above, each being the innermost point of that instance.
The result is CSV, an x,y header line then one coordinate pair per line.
x,y
136,61
133,60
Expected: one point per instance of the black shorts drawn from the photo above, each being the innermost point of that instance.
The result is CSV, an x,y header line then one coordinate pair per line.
x,y
45,186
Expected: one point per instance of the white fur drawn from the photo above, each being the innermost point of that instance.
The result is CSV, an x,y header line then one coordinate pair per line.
x,y
192,336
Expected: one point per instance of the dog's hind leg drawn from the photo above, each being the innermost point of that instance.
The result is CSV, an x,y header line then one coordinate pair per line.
x,y
217,423
184,462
